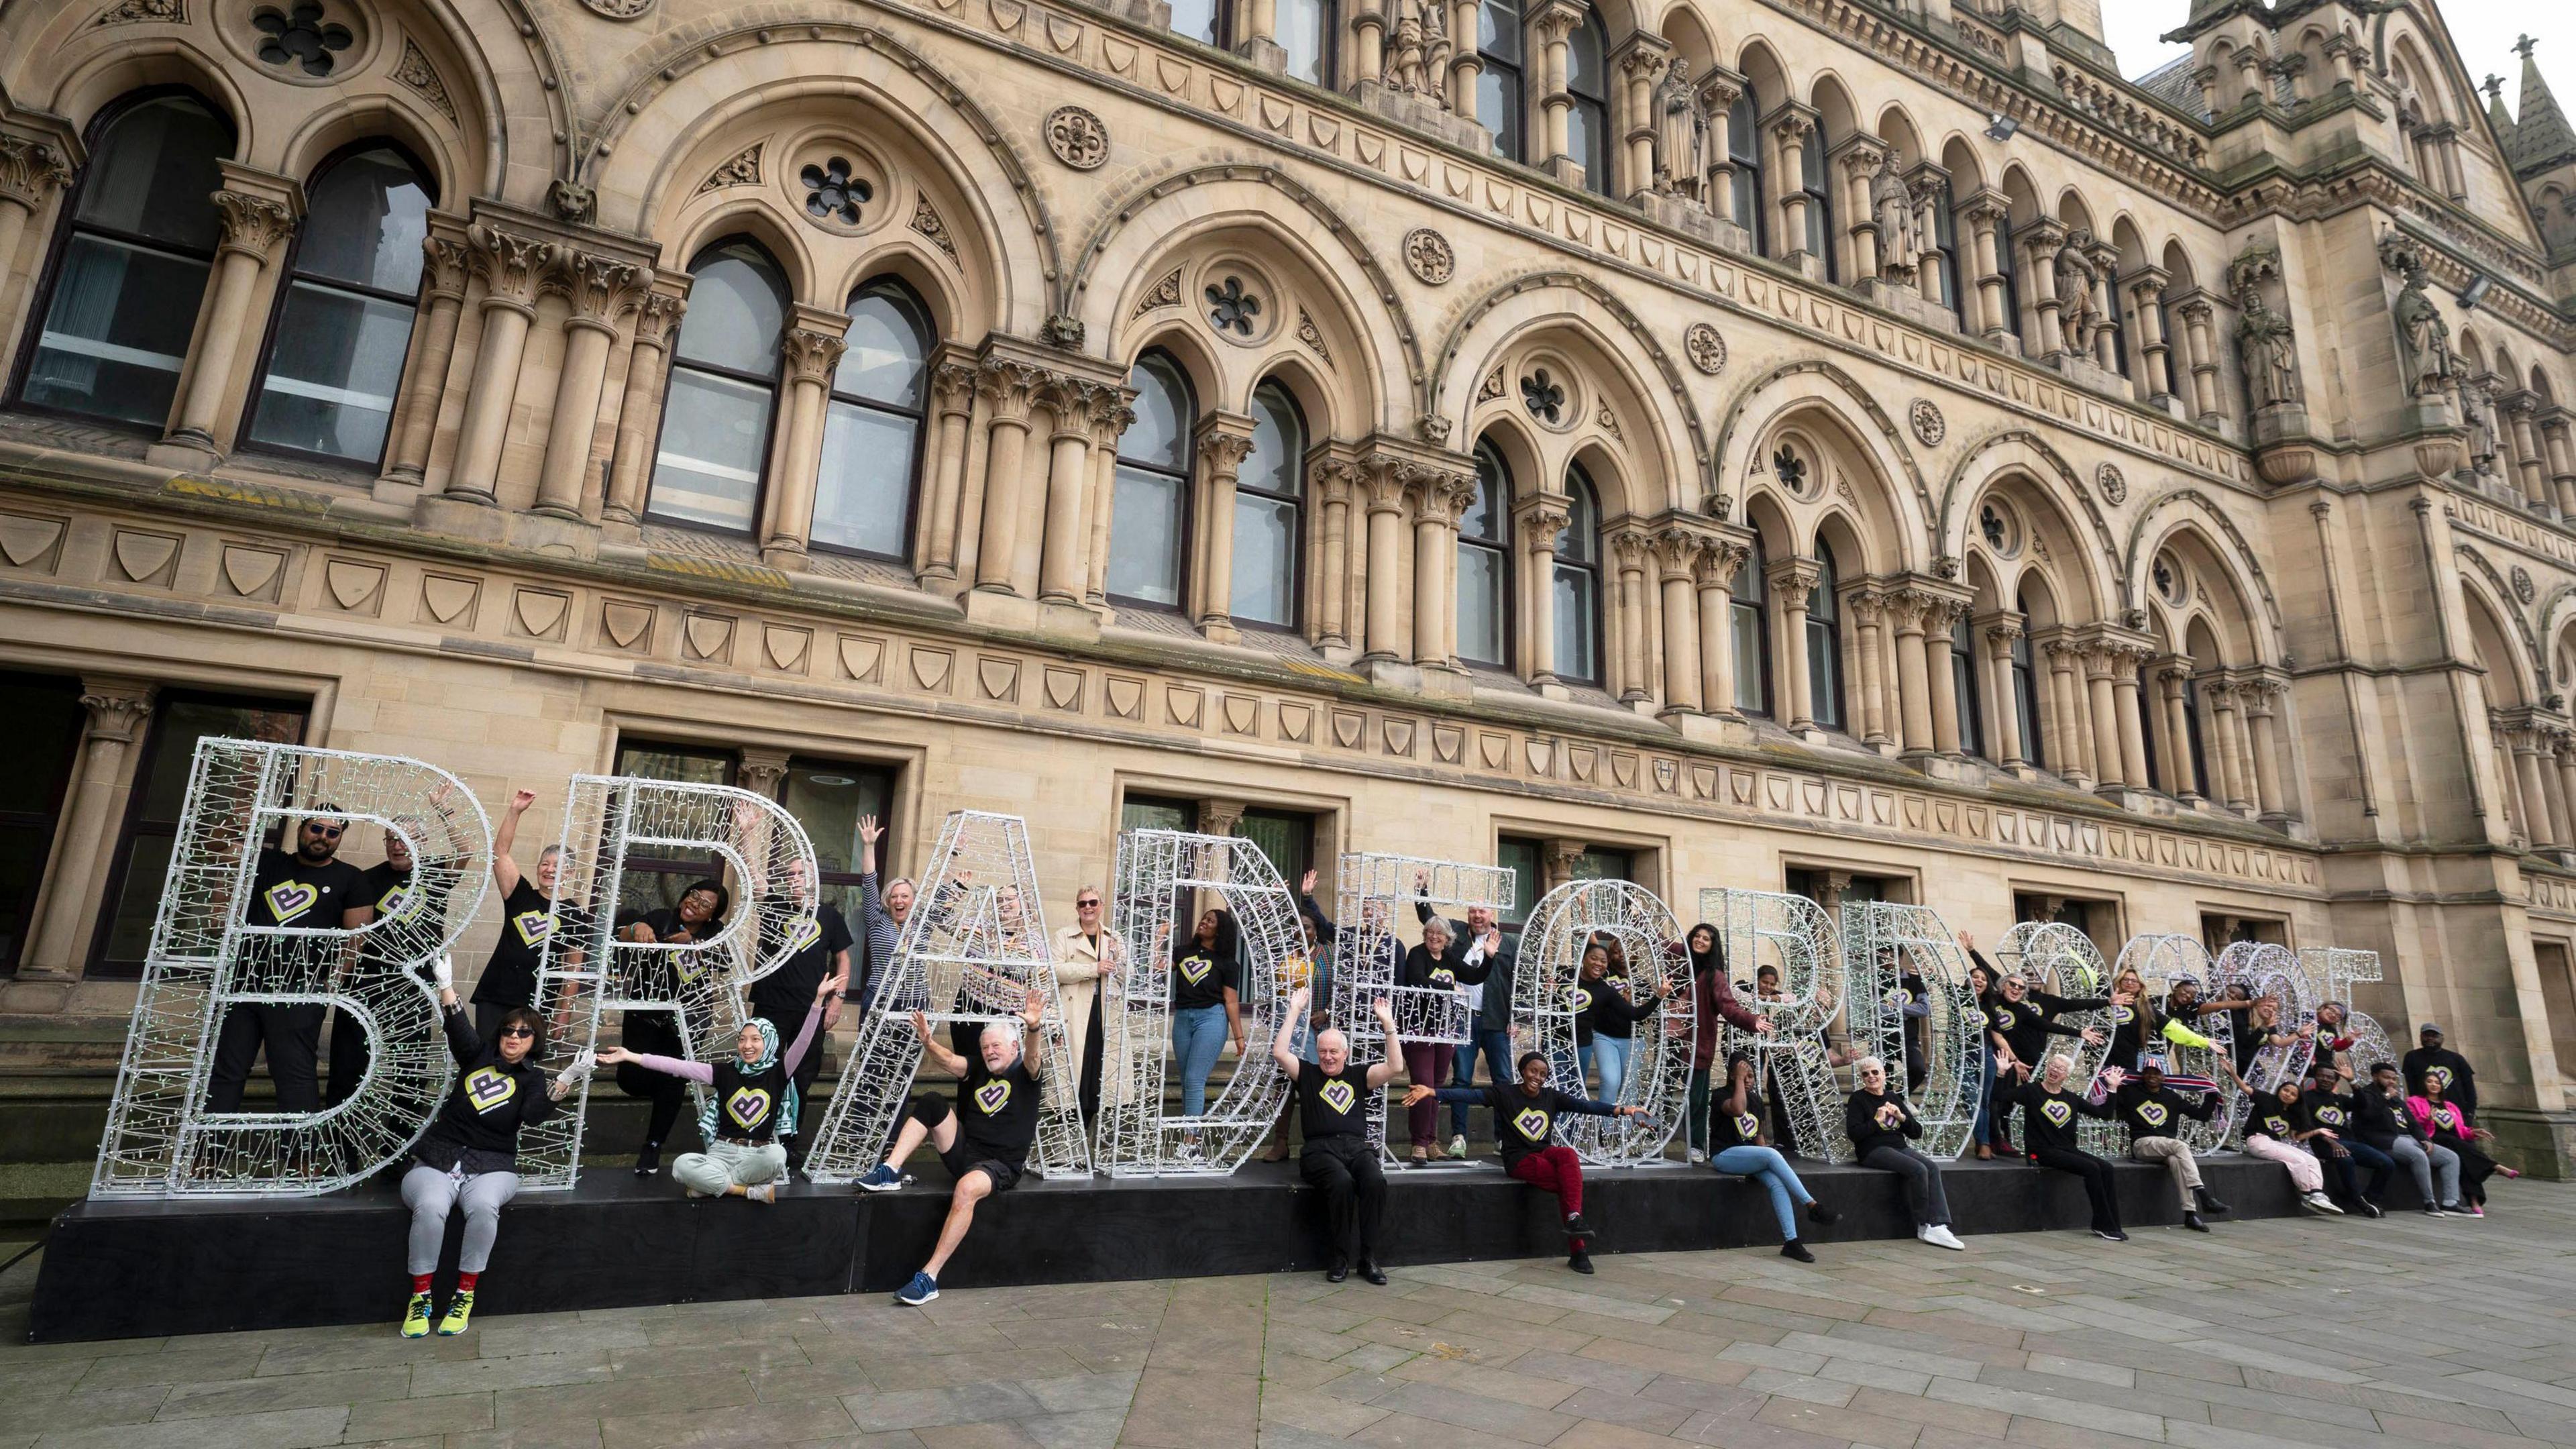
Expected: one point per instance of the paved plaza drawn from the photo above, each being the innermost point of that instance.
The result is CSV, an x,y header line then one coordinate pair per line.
x,y
2295,1331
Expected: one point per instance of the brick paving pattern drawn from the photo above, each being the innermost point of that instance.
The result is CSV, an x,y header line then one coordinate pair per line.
x,y
2290,1332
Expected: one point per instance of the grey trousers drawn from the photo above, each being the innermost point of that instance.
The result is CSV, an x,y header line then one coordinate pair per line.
x,y
2422,1161
2176,1156
432,1195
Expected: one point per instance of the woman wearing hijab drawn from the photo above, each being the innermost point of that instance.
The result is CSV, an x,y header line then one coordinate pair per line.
x,y
696,918
750,1105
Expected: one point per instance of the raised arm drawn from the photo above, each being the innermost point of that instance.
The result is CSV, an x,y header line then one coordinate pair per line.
x,y
1326,933
940,1056
1032,1013
505,869
1382,1071
1283,1045
823,994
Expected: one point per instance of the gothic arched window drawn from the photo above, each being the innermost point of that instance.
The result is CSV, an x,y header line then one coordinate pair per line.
x,y
1268,508
723,389
1149,516
1576,578
864,491
335,351
1485,564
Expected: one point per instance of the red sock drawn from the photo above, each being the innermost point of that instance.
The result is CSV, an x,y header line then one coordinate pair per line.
x,y
420,1282
465,1282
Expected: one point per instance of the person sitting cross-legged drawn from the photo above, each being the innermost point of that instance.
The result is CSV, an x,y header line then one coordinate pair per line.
x,y
984,1142
751,1104
1334,1095
2153,1113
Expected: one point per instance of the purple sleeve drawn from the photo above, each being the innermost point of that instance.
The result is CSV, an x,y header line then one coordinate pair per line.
x,y
804,1039
698,1072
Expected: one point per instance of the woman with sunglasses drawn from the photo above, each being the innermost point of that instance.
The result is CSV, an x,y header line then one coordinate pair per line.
x,y
1086,953
697,917
469,1157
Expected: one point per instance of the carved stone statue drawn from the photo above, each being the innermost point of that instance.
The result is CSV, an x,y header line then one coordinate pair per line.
x,y
1891,205
2078,286
2265,345
1404,56
1436,51
2477,408
1681,134
2423,338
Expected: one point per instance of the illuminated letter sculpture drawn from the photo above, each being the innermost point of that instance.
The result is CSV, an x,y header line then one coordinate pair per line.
x,y
203,961
1161,876
2264,969
1881,941
1366,952
2063,961
1545,994
586,972
1794,936
2161,962
975,944
2333,970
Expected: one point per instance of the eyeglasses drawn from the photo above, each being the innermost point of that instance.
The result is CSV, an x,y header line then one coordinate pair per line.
x,y
518,1031
327,832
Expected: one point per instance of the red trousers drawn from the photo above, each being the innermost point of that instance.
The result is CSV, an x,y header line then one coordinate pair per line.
x,y
1555,1170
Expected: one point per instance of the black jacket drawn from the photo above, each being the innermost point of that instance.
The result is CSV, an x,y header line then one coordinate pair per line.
x,y
478,1124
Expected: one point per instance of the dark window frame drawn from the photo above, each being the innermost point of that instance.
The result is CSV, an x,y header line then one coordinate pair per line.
x,y
1587,499
1744,152
774,383
918,416
1828,623
1296,501
1760,607
45,825
1187,474
1498,543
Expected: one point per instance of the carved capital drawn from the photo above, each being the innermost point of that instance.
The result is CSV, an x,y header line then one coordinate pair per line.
x,y
1440,494
952,386
1986,207
1719,90
600,289
657,316
2195,312
446,266
2001,634
252,225
510,266
116,709
1718,563
31,171
1794,578
1792,129
811,354
1009,387
1224,441
1677,549
1540,518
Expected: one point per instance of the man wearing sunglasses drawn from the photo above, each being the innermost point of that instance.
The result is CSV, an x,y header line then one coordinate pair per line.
x,y
309,888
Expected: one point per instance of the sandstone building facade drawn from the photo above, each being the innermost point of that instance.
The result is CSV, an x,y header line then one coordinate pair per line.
x,y
1847,447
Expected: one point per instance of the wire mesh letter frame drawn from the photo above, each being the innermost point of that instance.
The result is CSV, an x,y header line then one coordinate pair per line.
x,y
972,948
1161,872
2265,969
2335,970
1880,939
1366,949
2161,961
1543,995
1793,935
2059,959
205,959
586,972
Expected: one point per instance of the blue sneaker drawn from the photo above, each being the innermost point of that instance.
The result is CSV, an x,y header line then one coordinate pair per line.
x,y
883,1178
920,1290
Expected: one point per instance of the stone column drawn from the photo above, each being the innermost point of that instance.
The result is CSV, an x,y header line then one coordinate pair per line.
x,y
1109,423
510,267
2509,783
1859,155
1332,482
1537,523
2146,293
2545,826
811,348
1913,671
1675,551
2068,747
2178,771
31,171
600,291
2040,241
2006,713
2125,660
1064,554
1009,390
1465,63
1791,580
2261,702
1795,133
2562,747
442,286
2231,745
2519,410
761,772
1224,441
2196,319
2562,459
1438,502
253,226
1634,683
116,711
1868,613
1368,40
1987,212
639,417
1387,489
1551,23
2106,297
952,403
1639,62
1714,576
1943,674
1718,92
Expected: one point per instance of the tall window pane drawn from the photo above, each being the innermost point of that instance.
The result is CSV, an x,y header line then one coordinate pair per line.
x,y
1306,33
344,321
2025,689
1963,670
46,722
1815,180
133,266
1151,506
828,797
1484,563
863,493
1748,612
723,382
1200,20
1945,241
1266,501
1587,121
1498,84
1577,581
1825,643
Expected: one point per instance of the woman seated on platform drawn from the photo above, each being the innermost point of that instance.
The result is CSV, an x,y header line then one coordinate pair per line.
x,y
1525,1114
1735,1130
2446,1124
2277,1130
2051,1134
469,1157
2380,1118
697,918
752,1103
1879,1124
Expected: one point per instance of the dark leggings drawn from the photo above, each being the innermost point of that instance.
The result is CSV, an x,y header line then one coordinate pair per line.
x,y
653,1033
2378,1164
2097,1182
1922,1177
2475,1168
2339,1165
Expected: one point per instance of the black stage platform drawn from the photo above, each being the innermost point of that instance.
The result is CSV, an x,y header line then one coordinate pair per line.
x,y
118,1270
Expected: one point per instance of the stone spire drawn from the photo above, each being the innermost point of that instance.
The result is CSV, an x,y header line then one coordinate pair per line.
x,y
2496,114
2540,140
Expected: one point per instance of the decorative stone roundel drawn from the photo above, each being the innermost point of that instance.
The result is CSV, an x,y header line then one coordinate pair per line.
x,y
300,37
2113,487
1929,426
1077,137
2522,588
1428,256
619,9
1705,348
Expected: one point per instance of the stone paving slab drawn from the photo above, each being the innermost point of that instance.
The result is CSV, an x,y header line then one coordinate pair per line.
x,y
2282,1334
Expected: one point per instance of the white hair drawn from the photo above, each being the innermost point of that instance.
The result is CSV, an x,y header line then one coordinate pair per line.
x,y
1011,1033
1332,1031
2058,1059
1865,1066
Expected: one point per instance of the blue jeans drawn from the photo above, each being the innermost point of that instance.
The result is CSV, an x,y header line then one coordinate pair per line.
x,y
1985,1128
2378,1164
1496,1048
1610,1054
1198,1037
1767,1167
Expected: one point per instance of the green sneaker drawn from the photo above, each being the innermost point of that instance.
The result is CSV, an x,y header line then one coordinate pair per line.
x,y
415,1322
459,1309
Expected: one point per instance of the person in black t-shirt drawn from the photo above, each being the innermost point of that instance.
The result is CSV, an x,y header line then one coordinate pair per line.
x,y
1879,1124
2380,1118
2335,1142
2020,1018
699,916
2049,1133
1206,986
752,1105
2430,1057
306,889
1912,1001
528,918
1736,1145
1525,1113
2153,1113
393,889
1441,963
1334,1095
821,940
469,1157
984,1142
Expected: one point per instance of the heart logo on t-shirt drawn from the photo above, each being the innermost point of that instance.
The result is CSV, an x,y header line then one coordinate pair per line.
x,y
2057,1112
2152,1113
1581,999
2121,1015
533,927
390,904
1337,1094
990,1097
2441,1077
489,1087
1531,1124
1748,1126
2331,1116
748,1106
805,932
291,898
2443,1119
1445,977
1195,969
2004,1020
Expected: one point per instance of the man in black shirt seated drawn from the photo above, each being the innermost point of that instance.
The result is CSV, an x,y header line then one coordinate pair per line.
x,y
1335,1095
2153,1113
309,888
984,1143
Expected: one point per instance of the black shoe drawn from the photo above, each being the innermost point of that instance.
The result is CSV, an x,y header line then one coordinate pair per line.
x,y
1580,1261
1336,1273
2208,1202
2370,1209
649,1160
2193,1222
1821,1215
1576,1227
1372,1273
1798,1250
2111,1235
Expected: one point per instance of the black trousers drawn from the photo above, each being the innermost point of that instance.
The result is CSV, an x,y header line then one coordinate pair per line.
x,y
808,1111
1345,1169
2338,1166
293,1036
1089,1094
653,1033
2097,1182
